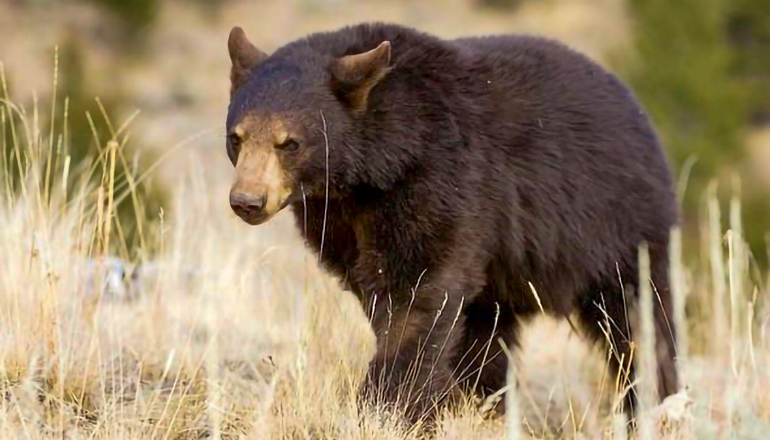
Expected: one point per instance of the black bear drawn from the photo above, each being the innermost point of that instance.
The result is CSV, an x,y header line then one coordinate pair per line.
x,y
445,180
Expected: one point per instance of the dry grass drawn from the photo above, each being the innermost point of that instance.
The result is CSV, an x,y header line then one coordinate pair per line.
x,y
234,332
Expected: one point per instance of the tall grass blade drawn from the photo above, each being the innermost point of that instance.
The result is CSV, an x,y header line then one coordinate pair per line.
x,y
716,258
512,414
679,297
647,367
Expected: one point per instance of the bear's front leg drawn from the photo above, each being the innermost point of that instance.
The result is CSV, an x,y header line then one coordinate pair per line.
x,y
416,342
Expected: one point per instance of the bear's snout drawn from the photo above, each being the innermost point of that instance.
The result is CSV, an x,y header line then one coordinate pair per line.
x,y
249,207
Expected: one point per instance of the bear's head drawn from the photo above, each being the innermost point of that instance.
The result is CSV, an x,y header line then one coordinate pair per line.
x,y
294,125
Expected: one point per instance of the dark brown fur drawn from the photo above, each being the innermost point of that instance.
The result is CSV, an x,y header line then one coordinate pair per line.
x,y
476,166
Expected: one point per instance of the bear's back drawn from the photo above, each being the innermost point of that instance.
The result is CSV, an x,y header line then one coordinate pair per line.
x,y
579,159
546,144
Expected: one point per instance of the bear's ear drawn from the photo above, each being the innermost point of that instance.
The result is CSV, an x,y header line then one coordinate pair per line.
x,y
354,76
244,56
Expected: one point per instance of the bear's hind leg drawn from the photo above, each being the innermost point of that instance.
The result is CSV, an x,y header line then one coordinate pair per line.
x,y
665,332
605,312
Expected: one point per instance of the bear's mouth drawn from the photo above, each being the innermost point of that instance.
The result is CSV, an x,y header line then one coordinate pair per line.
x,y
255,220
263,217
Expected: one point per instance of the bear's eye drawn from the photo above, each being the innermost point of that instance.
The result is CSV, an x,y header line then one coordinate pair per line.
x,y
288,145
233,147
235,140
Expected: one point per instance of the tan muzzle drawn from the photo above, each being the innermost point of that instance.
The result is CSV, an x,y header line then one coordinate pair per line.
x,y
262,187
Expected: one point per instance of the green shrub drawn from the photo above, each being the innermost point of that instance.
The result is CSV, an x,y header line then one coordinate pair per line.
x,y
500,4
748,28
135,14
691,77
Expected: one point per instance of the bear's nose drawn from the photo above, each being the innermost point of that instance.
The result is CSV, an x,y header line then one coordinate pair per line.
x,y
247,206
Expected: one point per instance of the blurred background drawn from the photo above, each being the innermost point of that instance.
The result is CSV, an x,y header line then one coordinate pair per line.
x,y
701,67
